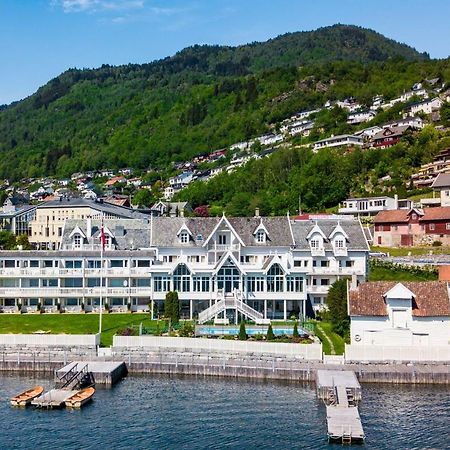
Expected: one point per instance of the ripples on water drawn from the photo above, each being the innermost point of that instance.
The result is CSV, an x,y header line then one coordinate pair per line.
x,y
197,413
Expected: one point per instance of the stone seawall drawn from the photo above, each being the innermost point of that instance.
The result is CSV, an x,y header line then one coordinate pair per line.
x,y
261,367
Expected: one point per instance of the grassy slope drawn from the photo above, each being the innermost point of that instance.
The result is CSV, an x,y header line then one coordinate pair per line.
x,y
383,274
338,341
72,323
414,251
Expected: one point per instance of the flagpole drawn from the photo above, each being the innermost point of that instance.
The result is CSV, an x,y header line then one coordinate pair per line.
x,y
102,240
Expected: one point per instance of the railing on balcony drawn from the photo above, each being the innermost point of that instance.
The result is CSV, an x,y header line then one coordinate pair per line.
x,y
223,247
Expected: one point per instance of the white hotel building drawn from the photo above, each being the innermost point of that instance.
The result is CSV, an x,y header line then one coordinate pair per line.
x,y
262,268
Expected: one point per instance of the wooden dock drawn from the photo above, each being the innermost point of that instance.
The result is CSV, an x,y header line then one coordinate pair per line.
x,y
341,391
105,373
52,399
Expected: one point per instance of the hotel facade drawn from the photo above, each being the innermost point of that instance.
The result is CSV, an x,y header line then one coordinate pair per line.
x,y
261,268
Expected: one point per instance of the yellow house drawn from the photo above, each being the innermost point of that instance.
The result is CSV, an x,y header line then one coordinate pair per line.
x,y
48,225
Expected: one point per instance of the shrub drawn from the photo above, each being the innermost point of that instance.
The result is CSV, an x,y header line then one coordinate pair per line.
x,y
295,333
242,332
436,244
270,333
186,330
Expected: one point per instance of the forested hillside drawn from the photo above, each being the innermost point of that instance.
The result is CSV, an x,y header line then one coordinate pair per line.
x,y
201,99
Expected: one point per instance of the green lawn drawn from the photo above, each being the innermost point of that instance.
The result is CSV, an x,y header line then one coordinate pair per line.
x,y
73,323
414,251
385,274
337,341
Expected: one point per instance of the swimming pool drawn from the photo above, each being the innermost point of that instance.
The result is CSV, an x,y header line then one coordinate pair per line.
x,y
251,330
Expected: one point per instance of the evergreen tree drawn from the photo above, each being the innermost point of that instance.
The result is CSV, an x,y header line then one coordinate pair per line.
x,y
242,332
270,333
172,307
295,331
337,306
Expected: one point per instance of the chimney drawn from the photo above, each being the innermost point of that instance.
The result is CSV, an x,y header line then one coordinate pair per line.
x,y
395,201
88,227
354,282
256,212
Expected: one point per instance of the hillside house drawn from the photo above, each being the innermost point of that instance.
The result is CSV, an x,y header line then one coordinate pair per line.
x,y
389,136
442,185
358,117
347,140
370,206
425,107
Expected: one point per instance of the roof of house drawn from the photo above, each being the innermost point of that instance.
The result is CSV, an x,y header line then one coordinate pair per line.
x,y
392,216
352,227
441,181
431,298
391,132
107,208
128,234
436,213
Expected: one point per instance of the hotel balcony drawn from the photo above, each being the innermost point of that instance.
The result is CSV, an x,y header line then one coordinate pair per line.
x,y
74,292
223,247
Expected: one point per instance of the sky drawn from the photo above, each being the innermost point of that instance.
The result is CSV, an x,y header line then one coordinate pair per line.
x,y
39,39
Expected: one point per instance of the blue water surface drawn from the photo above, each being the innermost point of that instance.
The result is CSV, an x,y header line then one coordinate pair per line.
x,y
208,413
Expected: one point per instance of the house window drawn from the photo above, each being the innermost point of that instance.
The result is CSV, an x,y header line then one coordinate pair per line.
x,y
161,283
255,284
184,237
222,239
339,243
77,241
432,226
414,216
447,226
260,236
294,283
182,279
315,244
275,279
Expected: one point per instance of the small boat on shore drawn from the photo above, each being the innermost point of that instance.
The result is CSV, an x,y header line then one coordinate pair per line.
x,y
78,399
26,397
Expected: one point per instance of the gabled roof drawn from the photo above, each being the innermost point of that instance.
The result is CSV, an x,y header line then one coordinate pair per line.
x,y
185,228
431,298
436,213
395,216
399,291
352,227
222,220
314,231
77,230
261,227
224,258
338,229
441,181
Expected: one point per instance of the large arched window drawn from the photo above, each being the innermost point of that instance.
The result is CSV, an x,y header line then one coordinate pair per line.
x,y
275,278
228,277
182,279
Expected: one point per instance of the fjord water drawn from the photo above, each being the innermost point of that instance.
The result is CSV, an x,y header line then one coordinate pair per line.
x,y
207,413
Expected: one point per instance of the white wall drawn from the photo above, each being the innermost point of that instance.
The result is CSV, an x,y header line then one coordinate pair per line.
x,y
379,331
366,353
304,351
49,340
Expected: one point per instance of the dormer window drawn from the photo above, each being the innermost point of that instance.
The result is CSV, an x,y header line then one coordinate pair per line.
x,y
315,244
260,236
77,241
339,243
184,237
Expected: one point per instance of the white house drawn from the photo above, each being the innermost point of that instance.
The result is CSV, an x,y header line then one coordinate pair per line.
x,y
338,141
360,116
386,313
368,206
368,133
425,107
442,184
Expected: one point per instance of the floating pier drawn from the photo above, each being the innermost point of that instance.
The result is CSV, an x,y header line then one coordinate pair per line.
x,y
341,391
53,399
105,373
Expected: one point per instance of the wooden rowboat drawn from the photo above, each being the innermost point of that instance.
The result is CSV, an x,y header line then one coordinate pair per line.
x,y
78,399
25,398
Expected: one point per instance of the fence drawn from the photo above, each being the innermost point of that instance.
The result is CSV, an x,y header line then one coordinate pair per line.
x,y
49,340
384,353
311,352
